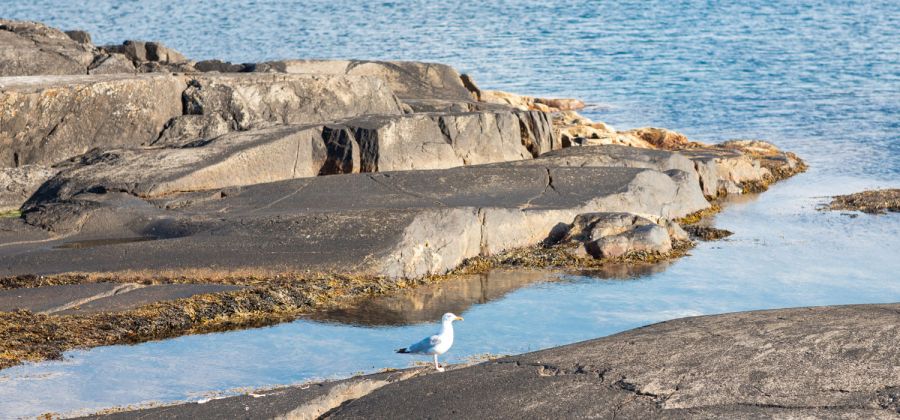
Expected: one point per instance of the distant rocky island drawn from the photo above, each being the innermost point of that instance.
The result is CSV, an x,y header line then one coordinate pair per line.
x,y
145,195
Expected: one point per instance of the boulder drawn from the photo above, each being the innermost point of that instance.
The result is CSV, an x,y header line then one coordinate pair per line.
x,y
140,52
612,235
32,48
46,119
408,79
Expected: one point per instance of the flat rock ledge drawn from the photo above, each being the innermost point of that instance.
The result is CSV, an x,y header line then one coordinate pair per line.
x,y
819,362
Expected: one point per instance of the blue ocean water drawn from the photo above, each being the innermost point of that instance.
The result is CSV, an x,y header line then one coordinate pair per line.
x,y
822,80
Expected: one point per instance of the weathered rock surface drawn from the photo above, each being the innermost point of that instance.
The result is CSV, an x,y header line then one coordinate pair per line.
x,y
521,102
823,362
400,224
38,122
32,48
408,79
17,184
246,101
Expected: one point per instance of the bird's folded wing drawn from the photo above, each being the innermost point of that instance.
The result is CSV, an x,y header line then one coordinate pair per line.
x,y
425,345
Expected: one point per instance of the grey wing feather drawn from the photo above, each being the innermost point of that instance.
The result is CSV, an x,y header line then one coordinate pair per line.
x,y
425,345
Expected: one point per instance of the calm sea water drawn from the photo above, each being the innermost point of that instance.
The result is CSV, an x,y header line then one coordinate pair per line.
x,y
821,80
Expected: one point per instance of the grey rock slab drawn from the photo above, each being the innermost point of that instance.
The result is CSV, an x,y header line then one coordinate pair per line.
x,y
408,79
32,48
397,224
233,159
145,295
307,401
808,362
40,299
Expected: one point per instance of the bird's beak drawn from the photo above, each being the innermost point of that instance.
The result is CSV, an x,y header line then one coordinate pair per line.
x,y
459,318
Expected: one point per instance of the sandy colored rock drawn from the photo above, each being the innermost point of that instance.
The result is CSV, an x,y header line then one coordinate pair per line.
x,y
407,79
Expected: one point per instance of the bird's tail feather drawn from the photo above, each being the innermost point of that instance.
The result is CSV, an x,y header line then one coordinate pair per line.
x,y
403,350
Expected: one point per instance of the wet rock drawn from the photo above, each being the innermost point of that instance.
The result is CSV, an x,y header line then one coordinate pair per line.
x,y
872,201
407,79
17,184
31,48
707,233
222,66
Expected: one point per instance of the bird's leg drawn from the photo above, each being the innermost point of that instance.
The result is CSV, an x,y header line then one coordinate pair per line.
x,y
436,365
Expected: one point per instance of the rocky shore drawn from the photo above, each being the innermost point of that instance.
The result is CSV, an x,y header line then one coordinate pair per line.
x,y
823,362
304,183
871,201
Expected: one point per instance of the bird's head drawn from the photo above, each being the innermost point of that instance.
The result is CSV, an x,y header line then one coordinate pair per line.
x,y
450,317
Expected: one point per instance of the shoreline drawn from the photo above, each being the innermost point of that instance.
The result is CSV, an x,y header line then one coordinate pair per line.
x,y
327,187
628,383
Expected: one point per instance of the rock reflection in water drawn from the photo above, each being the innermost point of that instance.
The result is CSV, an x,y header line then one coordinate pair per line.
x,y
427,303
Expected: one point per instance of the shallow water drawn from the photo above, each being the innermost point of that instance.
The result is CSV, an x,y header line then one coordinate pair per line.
x,y
821,80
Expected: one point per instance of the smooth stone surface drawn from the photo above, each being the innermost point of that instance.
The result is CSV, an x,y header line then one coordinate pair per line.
x,y
810,362
398,224
39,299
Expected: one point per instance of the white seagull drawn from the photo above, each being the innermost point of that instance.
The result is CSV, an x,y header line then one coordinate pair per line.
x,y
438,343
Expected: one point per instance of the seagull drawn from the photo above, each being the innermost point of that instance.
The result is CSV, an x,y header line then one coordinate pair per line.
x,y
438,343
